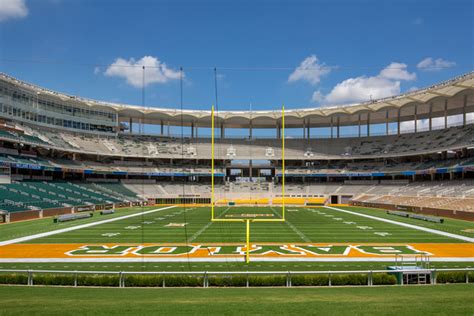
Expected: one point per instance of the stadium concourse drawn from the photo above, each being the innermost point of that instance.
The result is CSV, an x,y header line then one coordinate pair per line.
x,y
118,195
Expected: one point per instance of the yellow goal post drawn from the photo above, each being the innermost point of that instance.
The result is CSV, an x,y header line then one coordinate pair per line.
x,y
247,220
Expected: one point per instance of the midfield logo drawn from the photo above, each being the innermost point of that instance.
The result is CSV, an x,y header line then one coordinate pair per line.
x,y
266,250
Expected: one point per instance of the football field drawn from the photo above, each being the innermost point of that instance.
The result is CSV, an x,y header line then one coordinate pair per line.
x,y
321,225
177,234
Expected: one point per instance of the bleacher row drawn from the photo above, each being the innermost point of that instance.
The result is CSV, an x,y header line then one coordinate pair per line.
x,y
320,168
36,195
228,148
443,203
449,189
21,137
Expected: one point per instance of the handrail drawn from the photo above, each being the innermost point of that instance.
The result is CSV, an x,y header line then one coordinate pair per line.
x,y
205,274
236,272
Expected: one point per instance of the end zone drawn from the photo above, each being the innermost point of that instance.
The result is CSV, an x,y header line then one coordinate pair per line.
x,y
368,252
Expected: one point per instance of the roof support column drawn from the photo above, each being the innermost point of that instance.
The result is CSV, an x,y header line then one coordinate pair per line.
x,y
464,109
304,129
131,125
250,130
446,113
308,129
386,123
358,124
338,127
162,124
278,130
415,117
430,119
368,124
222,131
398,122
332,129
192,130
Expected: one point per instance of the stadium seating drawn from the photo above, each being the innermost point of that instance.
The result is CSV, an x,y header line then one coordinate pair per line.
x,y
169,147
31,195
446,203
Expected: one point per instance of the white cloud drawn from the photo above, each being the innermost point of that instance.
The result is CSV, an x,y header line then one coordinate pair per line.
x,y
310,70
132,71
96,70
317,96
11,9
364,88
431,64
397,71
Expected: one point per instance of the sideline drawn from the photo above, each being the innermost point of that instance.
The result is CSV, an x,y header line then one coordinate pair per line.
x,y
68,229
425,229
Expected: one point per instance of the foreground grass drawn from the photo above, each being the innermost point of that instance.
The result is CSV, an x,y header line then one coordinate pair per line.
x,y
221,266
408,300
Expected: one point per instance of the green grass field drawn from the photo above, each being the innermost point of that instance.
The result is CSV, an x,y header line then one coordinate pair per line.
x,y
302,225
26,228
316,225
414,300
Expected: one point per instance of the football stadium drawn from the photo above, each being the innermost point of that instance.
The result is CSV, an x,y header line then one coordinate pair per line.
x,y
201,206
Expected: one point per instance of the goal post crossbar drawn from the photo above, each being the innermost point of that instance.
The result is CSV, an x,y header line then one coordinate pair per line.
x,y
246,219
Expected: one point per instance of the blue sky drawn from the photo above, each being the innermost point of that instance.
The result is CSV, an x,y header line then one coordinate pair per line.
x,y
300,53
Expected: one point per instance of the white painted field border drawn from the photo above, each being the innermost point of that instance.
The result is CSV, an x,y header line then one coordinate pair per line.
x,y
425,229
296,230
199,232
68,229
226,259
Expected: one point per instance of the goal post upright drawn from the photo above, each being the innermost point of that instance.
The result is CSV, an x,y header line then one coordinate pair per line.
x,y
283,160
247,253
212,163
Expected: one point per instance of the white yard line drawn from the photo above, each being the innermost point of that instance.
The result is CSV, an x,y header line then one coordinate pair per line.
x,y
64,230
199,232
296,230
429,230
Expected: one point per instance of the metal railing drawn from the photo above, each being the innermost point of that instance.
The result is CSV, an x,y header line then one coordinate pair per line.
x,y
206,274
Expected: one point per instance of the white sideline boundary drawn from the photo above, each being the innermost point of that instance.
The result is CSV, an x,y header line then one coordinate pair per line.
x,y
68,229
425,229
